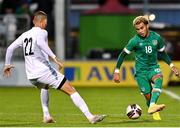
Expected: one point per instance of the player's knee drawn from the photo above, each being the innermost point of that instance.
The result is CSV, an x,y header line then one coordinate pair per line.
x,y
157,86
67,88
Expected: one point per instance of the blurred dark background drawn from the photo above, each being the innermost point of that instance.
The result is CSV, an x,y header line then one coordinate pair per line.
x,y
93,29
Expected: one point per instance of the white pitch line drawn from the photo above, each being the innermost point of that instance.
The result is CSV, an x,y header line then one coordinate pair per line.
x,y
171,94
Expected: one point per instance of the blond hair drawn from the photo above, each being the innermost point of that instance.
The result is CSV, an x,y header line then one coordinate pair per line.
x,y
40,15
140,19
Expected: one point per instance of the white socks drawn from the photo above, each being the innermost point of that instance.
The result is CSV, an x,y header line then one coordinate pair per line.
x,y
151,104
79,102
76,98
45,102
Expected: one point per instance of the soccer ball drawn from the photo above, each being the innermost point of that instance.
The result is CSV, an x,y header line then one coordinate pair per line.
x,y
133,111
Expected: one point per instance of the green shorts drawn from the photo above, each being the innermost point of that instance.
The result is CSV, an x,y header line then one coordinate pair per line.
x,y
144,79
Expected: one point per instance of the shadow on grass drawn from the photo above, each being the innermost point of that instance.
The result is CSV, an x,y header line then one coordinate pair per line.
x,y
115,121
126,123
17,125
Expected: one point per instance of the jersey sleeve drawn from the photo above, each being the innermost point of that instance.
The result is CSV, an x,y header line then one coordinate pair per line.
x,y
120,59
42,43
9,52
130,46
161,44
164,56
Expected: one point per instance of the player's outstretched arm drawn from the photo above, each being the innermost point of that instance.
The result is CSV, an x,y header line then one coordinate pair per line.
x,y
9,52
7,70
116,75
166,58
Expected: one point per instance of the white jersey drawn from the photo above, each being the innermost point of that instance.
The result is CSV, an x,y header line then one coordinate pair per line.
x,y
36,52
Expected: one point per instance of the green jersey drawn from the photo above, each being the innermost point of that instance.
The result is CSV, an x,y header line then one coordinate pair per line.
x,y
146,50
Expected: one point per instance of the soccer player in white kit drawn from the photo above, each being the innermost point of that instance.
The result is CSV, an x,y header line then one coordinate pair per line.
x,y
39,70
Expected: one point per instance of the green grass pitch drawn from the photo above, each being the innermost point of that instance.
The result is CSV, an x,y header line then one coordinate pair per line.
x,y
20,107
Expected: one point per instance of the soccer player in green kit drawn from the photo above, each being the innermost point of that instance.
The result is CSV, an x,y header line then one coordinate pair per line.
x,y
146,44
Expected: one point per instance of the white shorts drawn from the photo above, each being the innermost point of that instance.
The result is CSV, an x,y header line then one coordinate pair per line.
x,y
52,78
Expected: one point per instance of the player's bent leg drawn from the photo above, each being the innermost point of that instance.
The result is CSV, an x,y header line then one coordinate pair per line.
x,y
156,115
80,103
44,96
148,98
157,79
157,88
47,118
155,107
144,86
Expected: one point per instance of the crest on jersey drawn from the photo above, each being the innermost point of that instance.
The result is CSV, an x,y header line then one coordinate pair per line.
x,y
154,42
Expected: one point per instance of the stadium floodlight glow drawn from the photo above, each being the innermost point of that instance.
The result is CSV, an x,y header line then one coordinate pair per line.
x,y
152,17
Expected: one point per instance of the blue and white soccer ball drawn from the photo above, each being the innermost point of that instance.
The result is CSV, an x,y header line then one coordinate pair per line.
x,y
133,111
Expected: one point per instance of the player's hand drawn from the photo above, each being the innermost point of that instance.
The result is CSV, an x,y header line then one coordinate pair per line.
x,y
7,70
58,62
116,77
175,71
